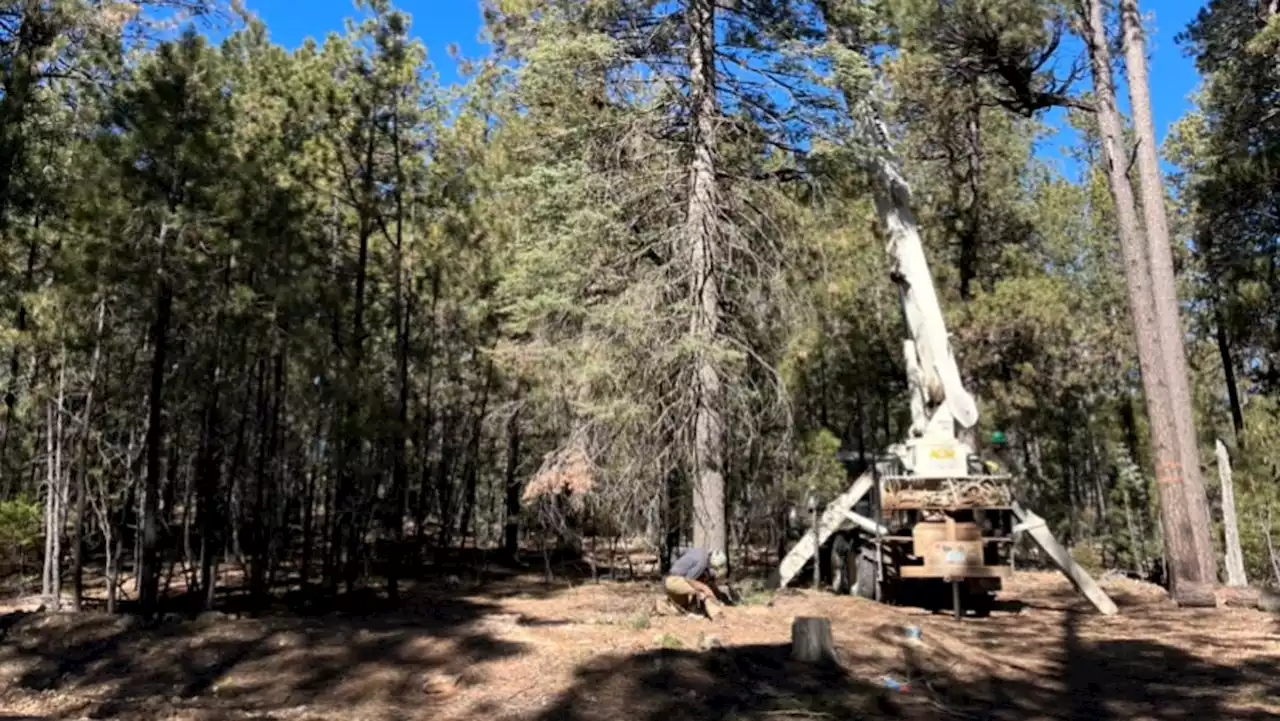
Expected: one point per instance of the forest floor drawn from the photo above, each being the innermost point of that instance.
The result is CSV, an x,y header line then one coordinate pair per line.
x,y
518,648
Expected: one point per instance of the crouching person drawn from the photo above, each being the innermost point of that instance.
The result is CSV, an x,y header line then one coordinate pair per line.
x,y
691,581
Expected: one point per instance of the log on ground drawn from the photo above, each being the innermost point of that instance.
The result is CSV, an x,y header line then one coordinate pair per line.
x,y
1195,595
1238,597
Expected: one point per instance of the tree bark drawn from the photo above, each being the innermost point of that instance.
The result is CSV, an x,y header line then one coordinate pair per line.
x,y
703,236
47,592
401,316
149,577
1165,290
258,529
470,472
511,540
1180,549
428,420
82,489
812,642
1229,372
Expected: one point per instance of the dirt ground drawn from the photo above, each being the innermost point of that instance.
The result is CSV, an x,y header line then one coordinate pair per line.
x,y
519,649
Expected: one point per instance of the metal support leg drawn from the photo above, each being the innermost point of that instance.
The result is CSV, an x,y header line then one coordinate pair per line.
x,y
955,600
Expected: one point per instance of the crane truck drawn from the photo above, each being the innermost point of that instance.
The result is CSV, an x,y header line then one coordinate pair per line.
x,y
927,515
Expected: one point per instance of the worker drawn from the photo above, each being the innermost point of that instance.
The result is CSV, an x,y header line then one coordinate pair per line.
x,y
691,581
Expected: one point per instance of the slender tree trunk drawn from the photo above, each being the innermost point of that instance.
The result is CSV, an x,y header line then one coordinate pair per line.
x,y
149,578
275,466
258,529
82,472
401,317
444,478
50,514
308,509
1186,577
971,236
471,467
511,541
1137,552
61,481
703,236
428,421
1165,290
1229,371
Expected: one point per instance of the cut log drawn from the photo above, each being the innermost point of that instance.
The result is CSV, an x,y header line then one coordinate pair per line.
x,y
811,641
1195,595
1039,531
1239,597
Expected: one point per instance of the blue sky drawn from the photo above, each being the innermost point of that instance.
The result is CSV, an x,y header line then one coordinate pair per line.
x,y
441,23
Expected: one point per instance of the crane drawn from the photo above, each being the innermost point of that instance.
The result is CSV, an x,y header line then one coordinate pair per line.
x,y
961,521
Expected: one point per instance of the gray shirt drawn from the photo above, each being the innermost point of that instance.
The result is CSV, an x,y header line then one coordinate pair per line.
x,y
693,564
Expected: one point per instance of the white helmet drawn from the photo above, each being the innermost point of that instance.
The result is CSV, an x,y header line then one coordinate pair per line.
x,y
719,561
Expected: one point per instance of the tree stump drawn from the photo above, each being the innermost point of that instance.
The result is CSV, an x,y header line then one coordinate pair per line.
x,y
811,641
1269,601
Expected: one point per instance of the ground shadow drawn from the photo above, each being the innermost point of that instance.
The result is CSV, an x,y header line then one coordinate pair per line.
x,y
716,685
1100,680
256,664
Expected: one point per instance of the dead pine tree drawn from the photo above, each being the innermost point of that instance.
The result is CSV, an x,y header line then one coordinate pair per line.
x,y
1230,523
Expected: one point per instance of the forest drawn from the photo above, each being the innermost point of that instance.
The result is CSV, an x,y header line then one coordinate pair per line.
x,y
460,367
311,318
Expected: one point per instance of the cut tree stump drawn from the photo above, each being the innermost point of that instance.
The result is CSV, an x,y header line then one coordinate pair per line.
x,y
811,641
1269,601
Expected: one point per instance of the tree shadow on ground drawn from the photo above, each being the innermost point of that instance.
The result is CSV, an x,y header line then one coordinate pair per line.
x,y
378,654
717,685
1087,681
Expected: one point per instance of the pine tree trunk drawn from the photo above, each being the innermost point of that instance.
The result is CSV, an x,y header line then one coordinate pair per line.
x,y
82,473
1165,291
1180,548
61,485
275,466
511,540
471,467
208,474
703,235
1229,371
308,511
401,317
50,512
149,577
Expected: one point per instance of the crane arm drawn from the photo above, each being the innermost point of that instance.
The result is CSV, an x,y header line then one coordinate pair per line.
x,y
929,353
